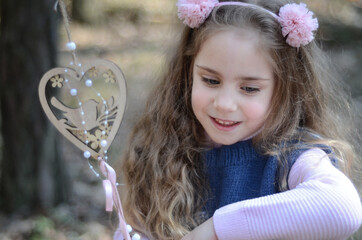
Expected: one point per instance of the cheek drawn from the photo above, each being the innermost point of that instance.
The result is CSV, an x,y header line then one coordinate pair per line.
x,y
259,108
256,110
199,98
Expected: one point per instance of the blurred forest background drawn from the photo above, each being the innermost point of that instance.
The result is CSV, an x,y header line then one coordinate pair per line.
x,y
47,190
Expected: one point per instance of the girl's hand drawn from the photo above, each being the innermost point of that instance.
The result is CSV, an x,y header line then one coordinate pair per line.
x,y
205,231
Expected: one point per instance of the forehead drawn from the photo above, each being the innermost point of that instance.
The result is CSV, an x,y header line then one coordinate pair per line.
x,y
233,49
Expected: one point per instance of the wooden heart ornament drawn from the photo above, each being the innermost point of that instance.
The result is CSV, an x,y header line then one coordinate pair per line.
x,y
85,103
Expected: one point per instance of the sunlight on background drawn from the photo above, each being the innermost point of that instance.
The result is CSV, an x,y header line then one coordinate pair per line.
x,y
345,11
137,36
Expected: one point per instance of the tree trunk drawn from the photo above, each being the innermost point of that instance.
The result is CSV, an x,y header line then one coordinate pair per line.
x,y
32,173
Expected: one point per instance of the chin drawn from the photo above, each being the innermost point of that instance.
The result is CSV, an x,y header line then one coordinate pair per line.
x,y
225,141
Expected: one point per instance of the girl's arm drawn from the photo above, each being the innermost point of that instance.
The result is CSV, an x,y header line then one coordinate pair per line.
x,y
322,204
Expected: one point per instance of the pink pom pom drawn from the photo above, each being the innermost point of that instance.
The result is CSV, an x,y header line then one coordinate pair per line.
x,y
297,24
194,12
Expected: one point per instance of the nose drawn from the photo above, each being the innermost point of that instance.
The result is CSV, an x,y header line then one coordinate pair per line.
x,y
225,101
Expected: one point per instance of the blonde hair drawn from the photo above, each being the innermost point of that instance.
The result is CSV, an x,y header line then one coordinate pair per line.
x,y
163,166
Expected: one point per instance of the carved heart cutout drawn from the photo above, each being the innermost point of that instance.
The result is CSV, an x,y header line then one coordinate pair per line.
x,y
85,103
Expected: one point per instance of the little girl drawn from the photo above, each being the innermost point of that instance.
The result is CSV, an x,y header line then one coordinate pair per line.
x,y
246,136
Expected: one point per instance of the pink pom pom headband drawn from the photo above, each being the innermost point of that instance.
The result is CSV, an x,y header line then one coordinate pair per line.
x,y
296,20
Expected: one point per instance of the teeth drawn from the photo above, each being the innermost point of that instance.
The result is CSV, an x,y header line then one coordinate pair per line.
x,y
225,123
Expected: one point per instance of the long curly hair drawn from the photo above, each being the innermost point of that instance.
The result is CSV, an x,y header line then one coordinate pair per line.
x,y
163,168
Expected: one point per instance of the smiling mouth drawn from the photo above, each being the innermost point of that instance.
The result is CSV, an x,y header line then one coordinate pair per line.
x,y
226,123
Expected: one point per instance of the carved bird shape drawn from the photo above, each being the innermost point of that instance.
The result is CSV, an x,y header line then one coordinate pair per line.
x,y
74,116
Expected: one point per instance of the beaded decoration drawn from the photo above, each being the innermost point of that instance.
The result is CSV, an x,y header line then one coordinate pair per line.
x,y
86,103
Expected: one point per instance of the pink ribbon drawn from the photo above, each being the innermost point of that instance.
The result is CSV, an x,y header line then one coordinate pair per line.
x,y
112,196
107,185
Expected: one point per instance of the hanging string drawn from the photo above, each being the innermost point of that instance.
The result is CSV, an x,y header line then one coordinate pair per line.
x,y
109,184
67,28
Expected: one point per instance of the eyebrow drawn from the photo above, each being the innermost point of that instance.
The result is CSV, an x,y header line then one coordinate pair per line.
x,y
248,78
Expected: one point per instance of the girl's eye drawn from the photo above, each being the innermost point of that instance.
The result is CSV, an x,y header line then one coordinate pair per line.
x,y
210,81
250,89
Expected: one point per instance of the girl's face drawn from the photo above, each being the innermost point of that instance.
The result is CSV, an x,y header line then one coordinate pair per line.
x,y
233,85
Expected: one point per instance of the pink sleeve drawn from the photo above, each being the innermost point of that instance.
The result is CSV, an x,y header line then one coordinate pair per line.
x,y
322,204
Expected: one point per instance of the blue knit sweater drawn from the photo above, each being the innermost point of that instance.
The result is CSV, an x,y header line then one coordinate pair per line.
x,y
238,172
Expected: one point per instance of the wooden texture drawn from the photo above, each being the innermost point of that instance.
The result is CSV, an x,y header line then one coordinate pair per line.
x,y
102,104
